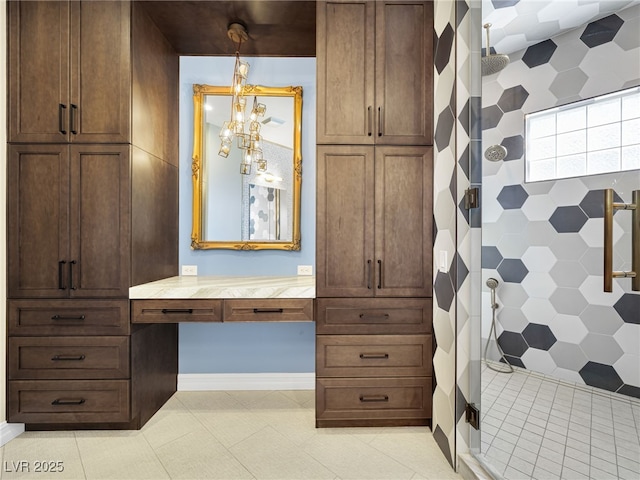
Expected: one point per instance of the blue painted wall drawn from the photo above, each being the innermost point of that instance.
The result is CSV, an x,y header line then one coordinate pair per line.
x,y
251,347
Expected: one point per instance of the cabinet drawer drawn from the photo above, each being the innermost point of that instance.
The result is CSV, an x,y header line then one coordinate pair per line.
x,y
373,315
68,401
373,355
68,358
176,310
68,317
373,401
269,310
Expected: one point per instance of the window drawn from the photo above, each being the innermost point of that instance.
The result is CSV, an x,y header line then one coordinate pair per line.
x,y
598,135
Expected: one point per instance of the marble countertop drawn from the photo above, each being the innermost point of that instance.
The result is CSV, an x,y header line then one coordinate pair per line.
x,y
227,287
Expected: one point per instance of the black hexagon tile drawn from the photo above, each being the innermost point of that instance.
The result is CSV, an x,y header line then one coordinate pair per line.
x,y
512,343
444,45
539,54
593,203
443,288
568,219
444,129
512,270
513,98
514,146
601,376
491,117
628,307
539,336
491,257
512,196
601,31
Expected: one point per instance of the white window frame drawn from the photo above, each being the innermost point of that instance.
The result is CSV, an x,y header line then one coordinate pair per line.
x,y
589,137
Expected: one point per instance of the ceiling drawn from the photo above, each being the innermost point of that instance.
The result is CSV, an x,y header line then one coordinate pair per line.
x,y
518,24
277,28
283,28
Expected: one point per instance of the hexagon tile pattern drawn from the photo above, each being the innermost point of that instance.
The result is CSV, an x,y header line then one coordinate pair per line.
x,y
628,307
539,54
601,376
512,196
601,31
568,219
539,336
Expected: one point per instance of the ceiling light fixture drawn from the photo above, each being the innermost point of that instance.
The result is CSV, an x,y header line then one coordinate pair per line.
x,y
250,141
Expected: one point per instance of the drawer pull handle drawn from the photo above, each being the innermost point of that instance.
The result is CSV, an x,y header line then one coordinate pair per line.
x,y
384,316
268,310
77,358
369,356
69,401
177,310
67,317
374,398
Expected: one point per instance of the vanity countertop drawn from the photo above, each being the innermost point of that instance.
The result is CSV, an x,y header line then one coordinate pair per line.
x,y
222,286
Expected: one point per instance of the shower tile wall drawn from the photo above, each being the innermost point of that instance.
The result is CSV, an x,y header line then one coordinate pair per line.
x,y
543,241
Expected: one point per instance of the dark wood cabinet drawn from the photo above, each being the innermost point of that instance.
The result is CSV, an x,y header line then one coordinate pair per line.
x,y
374,221
375,80
68,221
92,209
69,71
374,212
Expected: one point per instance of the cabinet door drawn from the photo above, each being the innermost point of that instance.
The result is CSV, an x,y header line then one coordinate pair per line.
x,y
403,205
344,229
345,52
100,101
38,71
404,72
100,221
38,233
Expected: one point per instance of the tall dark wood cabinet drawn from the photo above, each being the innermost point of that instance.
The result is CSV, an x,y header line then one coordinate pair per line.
x,y
92,210
374,213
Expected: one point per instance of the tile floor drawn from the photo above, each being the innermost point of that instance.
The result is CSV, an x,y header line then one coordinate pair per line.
x,y
232,435
537,427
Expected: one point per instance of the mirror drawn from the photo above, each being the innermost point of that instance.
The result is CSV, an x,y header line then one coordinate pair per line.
x,y
259,210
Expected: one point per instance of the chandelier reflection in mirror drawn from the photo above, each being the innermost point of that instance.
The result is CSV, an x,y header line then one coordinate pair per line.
x,y
247,140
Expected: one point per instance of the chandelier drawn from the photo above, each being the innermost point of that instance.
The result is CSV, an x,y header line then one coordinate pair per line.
x,y
248,139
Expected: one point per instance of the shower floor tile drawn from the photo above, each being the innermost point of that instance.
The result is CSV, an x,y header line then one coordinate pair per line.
x,y
540,428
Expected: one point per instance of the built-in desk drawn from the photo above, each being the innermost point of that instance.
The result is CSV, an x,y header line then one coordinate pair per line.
x,y
224,299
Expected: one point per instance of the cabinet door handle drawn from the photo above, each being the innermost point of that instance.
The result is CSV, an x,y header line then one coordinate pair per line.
x,y
369,274
74,110
374,356
61,264
61,114
177,310
268,310
383,317
70,358
374,398
379,121
71,285
68,401
369,120
379,274
67,317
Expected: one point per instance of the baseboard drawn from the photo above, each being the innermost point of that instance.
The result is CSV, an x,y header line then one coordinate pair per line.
x,y
9,431
246,381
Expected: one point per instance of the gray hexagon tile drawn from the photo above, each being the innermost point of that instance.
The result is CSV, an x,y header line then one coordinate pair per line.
x,y
514,146
443,289
539,336
565,83
539,233
491,116
539,284
570,56
568,273
512,319
491,257
444,127
592,261
568,300
568,246
539,259
568,355
512,245
600,319
539,310
568,219
601,348
512,295
538,208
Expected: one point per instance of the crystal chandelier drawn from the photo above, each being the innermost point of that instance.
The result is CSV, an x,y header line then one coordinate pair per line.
x,y
248,140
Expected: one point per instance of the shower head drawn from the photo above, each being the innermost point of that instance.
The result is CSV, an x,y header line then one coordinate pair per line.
x,y
495,153
492,62
492,283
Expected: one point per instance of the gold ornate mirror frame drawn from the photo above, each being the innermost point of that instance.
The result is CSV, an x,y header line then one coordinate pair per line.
x,y
198,167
